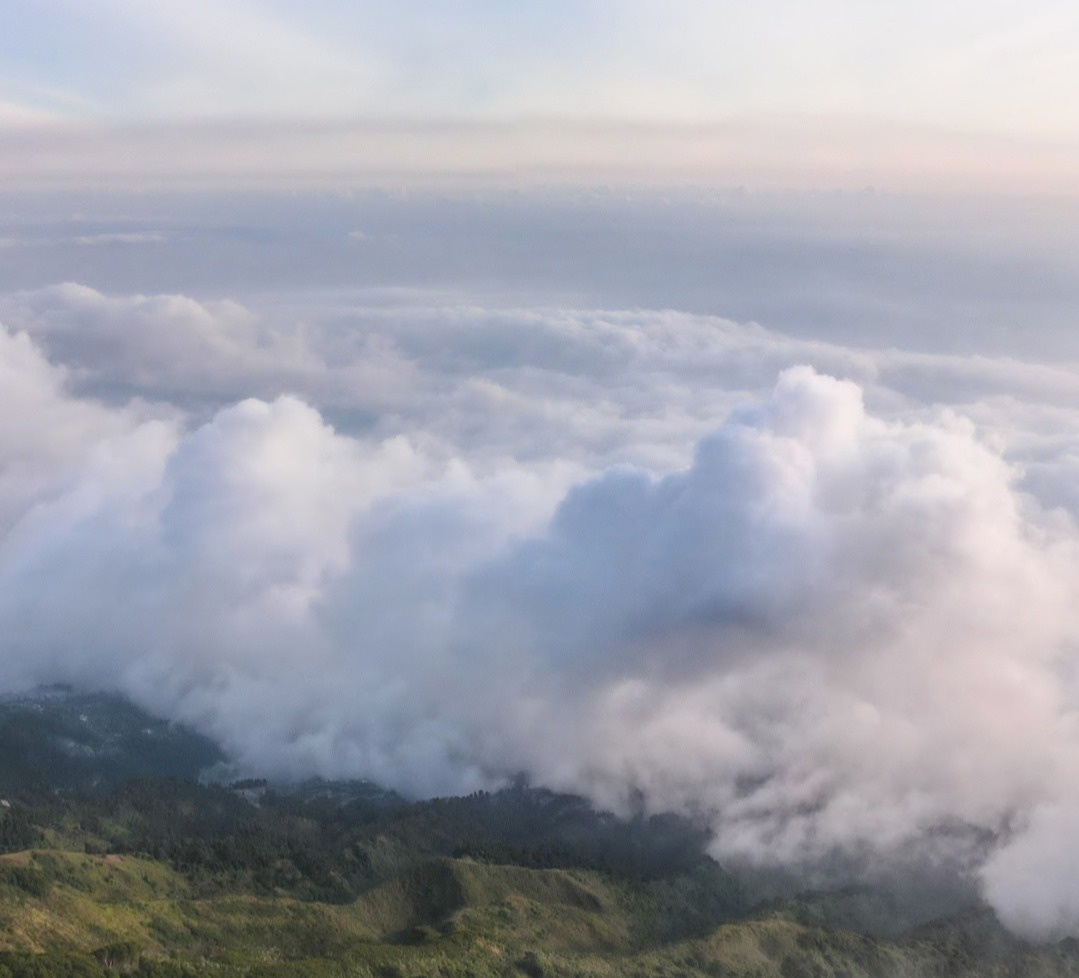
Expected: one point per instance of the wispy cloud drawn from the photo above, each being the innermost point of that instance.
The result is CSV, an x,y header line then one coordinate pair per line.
x,y
16,115
120,237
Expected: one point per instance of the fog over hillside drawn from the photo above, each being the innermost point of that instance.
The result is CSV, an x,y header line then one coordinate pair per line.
x,y
818,591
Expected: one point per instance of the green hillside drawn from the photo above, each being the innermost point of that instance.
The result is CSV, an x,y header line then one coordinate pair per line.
x,y
121,914
167,877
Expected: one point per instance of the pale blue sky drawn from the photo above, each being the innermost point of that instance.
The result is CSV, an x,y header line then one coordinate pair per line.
x,y
993,65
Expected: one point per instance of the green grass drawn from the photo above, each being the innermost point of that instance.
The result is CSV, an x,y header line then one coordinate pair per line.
x,y
450,917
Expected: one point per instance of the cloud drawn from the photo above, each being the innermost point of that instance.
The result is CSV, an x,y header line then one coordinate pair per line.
x,y
171,346
829,629
1031,881
580,387
50,444
835,609
805,620
121,237
16,115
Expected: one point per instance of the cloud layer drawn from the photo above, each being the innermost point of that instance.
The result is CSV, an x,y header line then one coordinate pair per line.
x,y
610,550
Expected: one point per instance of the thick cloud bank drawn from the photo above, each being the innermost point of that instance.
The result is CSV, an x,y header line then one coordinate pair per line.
x,y
827,630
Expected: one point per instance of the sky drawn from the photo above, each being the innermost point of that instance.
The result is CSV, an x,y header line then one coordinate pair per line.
x,y
830,93
997,66
674,404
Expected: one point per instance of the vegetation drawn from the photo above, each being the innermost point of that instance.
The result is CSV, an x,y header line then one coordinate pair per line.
x,y
155,877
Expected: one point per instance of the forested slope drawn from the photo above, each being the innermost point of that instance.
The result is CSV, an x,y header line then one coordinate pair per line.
x,y
103,873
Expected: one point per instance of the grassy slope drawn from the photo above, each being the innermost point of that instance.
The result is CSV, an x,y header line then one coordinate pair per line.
x,y
459,917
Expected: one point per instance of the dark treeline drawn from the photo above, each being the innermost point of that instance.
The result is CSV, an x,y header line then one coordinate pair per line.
x,y
330,842
112,779
58,739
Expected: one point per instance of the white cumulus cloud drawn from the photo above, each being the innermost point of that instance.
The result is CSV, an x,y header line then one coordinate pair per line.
x,y
600,549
